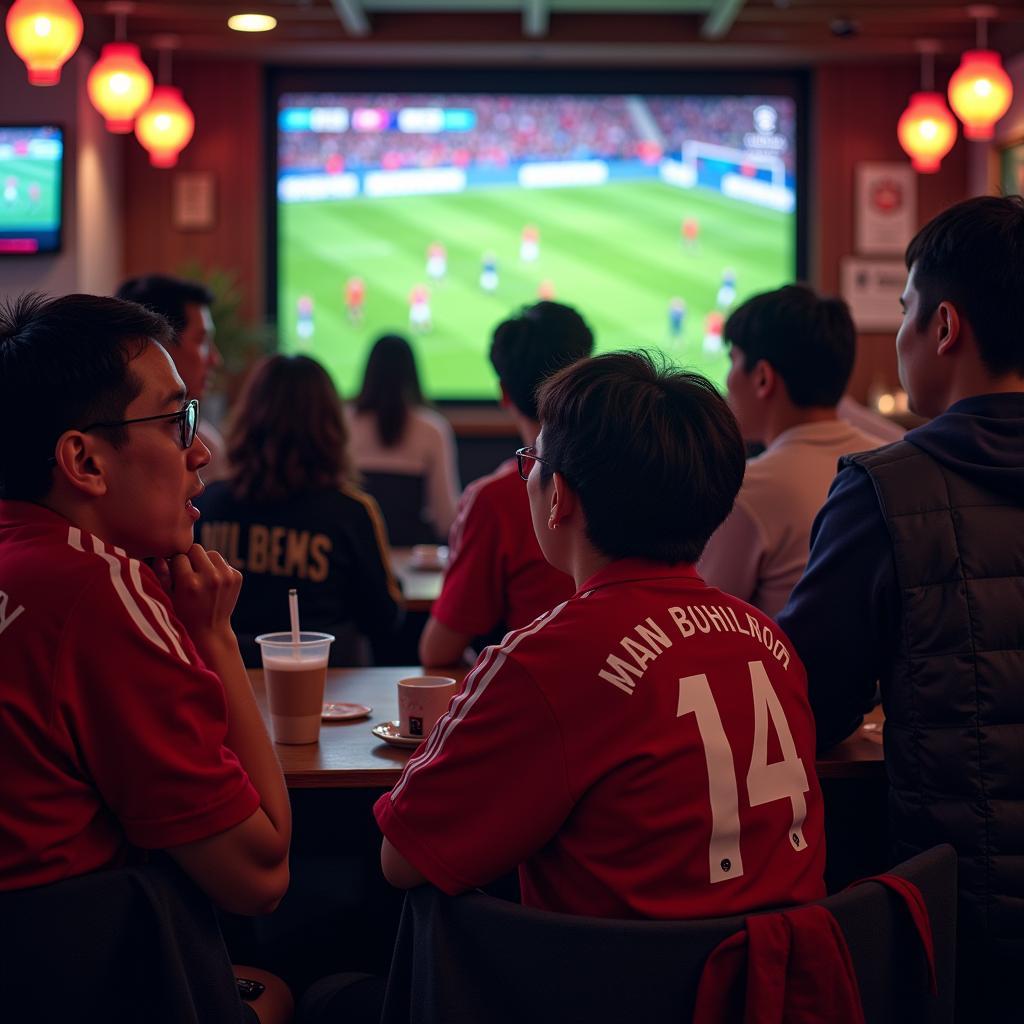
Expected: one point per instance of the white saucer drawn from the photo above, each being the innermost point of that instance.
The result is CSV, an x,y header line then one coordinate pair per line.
x,y
339,712
388,732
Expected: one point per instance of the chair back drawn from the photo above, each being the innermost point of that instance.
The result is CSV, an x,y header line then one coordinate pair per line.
x,y
121,946
402,499
474,958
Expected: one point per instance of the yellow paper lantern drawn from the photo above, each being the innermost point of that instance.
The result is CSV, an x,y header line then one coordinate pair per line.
x,y
980,92
926,130
165,126
119,85
44,34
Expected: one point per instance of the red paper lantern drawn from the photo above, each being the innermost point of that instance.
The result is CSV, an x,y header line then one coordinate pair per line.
x,y
165,126
926,130
119,85
44,34
980,92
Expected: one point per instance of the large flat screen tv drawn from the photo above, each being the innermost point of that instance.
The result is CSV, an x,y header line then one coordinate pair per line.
x,y
31,185
437,213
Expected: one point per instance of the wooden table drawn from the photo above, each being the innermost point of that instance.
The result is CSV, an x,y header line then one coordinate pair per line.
x,y
349,756
420,587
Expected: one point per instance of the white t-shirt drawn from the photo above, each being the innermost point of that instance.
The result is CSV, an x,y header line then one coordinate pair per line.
x,y
761,549
426,448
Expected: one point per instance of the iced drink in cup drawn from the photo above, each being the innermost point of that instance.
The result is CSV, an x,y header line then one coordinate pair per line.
x,y
295,674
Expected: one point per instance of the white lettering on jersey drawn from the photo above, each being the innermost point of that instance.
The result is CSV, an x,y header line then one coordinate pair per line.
x,y
5,619
766,783
707,618
617,670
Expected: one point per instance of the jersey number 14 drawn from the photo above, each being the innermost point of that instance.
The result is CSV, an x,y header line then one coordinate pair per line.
x,y
782,780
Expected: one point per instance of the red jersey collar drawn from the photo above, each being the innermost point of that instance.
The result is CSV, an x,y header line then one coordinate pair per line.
x,y
629,570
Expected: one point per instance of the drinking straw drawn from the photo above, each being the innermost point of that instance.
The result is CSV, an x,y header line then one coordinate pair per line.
x,y
293,611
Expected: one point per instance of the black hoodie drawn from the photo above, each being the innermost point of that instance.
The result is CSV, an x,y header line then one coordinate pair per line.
x,y
844,615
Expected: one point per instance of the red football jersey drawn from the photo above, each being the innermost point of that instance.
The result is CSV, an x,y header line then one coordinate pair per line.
x,y
111,728
644,750
496,573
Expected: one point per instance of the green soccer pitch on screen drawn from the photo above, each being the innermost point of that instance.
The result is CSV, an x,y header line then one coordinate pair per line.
x,y
437,216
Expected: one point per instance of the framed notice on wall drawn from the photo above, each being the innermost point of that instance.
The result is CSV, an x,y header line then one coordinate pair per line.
x,y
193,201
886,210
872,289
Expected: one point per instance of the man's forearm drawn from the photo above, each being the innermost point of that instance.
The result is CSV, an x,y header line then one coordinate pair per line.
x,y
247,734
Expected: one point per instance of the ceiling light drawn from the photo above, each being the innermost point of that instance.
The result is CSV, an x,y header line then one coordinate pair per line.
x,y
252,22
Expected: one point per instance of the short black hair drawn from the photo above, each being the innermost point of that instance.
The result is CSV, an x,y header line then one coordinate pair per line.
x,y
972,255
808,339
653,453
529,347
167,296
63,364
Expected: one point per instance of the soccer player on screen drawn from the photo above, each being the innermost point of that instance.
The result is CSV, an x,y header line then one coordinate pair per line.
x,y
437,261
489,273
529,245
676,317
689,230
419,309
355,298
646,748
727,290
304,317
714,326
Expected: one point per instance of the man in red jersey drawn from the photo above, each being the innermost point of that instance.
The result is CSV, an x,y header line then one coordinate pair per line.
x,y
646,748
497,578
126,717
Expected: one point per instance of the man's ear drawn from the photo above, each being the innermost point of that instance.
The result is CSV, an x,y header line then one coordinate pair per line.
x,y
80,463
949,328
505,400
563,501
766,380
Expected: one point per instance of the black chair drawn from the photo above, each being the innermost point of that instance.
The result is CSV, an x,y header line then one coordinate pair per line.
x,y
402,500
123,946
474,958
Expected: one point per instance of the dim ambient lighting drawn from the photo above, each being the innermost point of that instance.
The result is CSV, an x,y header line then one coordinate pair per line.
x,y
119,85
926,130
980,92
164,126
252,22
44,34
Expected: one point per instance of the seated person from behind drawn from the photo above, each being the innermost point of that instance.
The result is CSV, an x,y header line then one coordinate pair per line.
x,y
391,431
581,748
497,578
792,353
289,516
185,305
126,716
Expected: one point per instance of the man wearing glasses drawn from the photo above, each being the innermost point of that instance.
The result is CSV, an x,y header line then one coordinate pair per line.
x,y
126,717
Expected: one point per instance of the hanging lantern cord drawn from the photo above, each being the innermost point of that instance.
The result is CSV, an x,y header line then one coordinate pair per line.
x,y
928,71
164,66
119,27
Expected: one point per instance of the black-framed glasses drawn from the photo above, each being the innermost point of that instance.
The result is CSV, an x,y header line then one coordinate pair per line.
x,y
187,417
526,457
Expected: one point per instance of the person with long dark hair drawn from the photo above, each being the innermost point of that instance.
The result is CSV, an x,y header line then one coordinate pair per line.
x,y
394,435
290,516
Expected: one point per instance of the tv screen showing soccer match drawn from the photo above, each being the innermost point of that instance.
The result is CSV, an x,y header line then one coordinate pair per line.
x,y
438,215
31,176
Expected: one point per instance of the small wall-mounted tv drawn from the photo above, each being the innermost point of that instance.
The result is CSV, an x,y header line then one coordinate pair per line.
x,y
31,188
439,205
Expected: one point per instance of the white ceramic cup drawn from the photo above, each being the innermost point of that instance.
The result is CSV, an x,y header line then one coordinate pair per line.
x,y
295,676
422,700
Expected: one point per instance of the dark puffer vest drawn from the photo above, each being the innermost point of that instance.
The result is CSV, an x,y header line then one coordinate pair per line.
x,y
954,697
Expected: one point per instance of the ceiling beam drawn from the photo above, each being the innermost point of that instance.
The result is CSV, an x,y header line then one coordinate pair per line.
x,y
353,17
536,14
720,18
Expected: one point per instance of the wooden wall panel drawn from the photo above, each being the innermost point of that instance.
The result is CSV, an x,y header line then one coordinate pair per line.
x,y
227,99
855,110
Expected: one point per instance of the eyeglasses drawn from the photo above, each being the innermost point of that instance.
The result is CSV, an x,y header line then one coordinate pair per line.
x,y
187,417
526,457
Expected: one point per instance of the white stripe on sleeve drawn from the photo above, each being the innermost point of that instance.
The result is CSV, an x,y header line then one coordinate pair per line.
x,y
476,683
158,610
